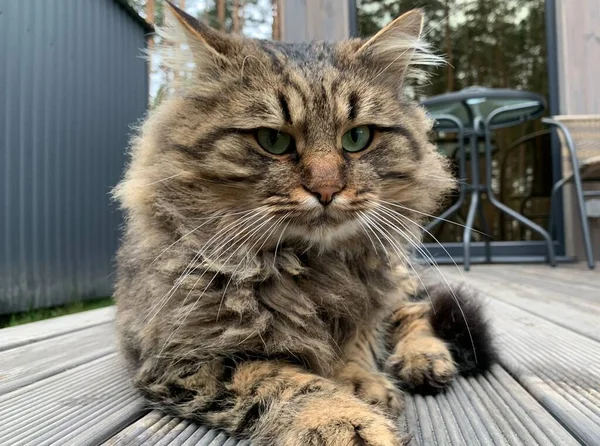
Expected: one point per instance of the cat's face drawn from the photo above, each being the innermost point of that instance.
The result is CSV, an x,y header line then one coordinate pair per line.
x,y
316,138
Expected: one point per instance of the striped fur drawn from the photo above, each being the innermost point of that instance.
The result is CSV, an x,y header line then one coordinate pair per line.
x,y
245,304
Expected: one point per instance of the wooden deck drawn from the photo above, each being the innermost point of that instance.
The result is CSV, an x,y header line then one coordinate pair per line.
x,y
61,381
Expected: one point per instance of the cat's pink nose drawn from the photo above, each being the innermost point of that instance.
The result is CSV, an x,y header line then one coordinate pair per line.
x,y
325,194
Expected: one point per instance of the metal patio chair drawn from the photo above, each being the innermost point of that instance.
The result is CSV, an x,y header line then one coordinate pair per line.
x,y
580,140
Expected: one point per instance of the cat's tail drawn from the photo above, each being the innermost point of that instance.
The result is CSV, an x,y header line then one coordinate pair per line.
x,y
458,318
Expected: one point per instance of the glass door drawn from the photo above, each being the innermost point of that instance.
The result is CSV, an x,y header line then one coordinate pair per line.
x,y
488,43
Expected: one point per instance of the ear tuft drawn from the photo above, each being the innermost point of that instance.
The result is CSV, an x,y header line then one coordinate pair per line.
x,y
398,49
190,48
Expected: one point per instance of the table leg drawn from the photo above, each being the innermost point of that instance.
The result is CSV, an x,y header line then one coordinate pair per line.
x,y
504,208
469,228
485,228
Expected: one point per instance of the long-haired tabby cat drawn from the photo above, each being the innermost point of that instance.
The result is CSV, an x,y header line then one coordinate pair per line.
x,y
269,201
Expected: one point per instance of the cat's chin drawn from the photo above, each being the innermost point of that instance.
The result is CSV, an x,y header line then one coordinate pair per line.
x,y
326,232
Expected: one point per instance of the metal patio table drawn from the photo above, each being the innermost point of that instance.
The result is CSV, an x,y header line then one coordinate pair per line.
x,y
473,113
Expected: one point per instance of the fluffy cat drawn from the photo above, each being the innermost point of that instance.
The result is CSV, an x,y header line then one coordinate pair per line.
x,y
262,286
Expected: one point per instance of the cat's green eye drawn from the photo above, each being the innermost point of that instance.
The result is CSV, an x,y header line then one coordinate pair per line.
x,y
357,139
274,141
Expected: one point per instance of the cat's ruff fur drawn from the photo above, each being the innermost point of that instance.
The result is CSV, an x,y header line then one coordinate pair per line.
x,y
245,304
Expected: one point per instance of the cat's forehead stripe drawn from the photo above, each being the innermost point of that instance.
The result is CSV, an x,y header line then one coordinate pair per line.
x,y
293,84
285,108
353,106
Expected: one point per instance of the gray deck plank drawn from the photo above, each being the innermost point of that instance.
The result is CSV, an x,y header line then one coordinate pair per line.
x,y
567,273
559,367
81,406
554,375
26,334
463,415
557,364
576,306
33,362
568,281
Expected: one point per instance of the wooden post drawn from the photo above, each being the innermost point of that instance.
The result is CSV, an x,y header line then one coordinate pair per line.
x,y
150,39
276,11
304,20
578,52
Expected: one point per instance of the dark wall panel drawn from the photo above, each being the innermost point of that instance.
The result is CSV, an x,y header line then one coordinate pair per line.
x,y
72,83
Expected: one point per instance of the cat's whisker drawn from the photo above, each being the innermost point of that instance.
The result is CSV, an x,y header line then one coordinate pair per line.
x,y
399,251
229,214
266,237
208,220
249,222
279,241
406,234
450,289
244,63
217,240
361,222
239,245
163,179
190,269
427,215
442,179
367,225
381,219
180,322
396,214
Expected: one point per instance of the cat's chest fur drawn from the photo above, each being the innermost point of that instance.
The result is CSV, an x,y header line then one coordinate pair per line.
x,y
316,309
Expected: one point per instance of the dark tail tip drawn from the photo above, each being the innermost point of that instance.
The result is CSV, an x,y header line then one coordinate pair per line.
x,y
464,327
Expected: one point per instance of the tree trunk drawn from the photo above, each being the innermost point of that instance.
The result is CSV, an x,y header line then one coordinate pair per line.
x,y
237,16
150,11
221,13
448,38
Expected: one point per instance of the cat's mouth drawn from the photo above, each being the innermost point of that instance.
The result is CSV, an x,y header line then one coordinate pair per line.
x,y
325,226
329,217
340,211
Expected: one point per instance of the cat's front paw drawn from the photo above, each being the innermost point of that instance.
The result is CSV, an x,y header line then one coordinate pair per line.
x,y
343,422
373,388
422,363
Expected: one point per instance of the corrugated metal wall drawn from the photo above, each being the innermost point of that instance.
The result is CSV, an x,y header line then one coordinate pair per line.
x,y
71,84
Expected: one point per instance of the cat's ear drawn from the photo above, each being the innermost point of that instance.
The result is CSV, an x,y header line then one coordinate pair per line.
x,y
208,49
398,49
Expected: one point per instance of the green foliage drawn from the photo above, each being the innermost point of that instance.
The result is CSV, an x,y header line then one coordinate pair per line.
x,y
255,12
492,43
46,313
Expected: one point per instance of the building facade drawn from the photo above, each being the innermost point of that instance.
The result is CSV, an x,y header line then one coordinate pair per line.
x,y
72,83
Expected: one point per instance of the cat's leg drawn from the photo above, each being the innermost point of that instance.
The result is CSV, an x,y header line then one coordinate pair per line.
x,y
273,403
360,372
419,358
440,333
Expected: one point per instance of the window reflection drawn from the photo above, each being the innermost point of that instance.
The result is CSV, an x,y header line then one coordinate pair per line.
x,y
489,43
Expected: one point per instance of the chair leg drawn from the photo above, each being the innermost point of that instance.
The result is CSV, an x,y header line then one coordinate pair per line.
x,y
585,227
